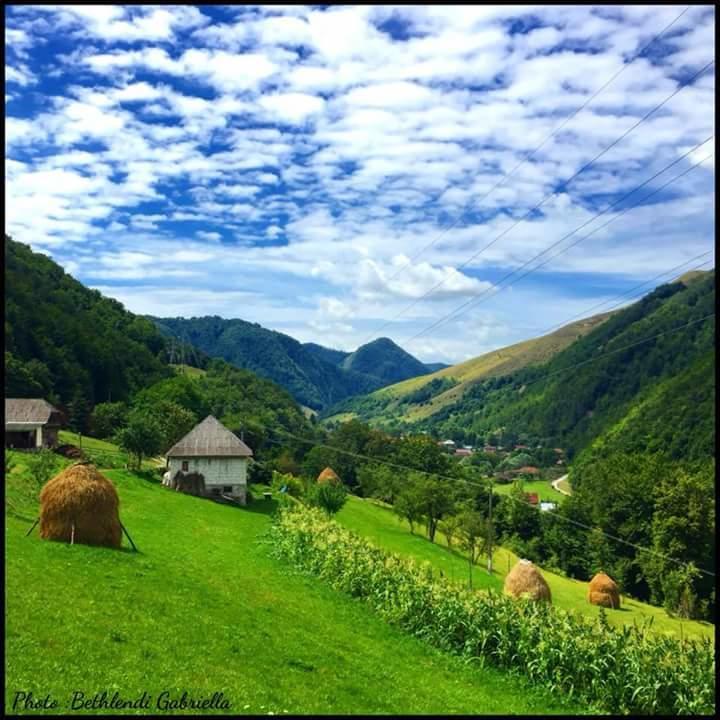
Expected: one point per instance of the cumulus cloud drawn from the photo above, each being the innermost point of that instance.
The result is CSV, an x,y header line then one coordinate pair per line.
x,y
311,152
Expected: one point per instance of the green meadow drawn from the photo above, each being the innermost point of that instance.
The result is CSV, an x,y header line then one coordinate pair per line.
x,y
204,608
379,524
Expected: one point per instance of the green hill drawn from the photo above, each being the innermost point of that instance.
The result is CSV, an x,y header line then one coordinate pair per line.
x,y
204,608
314,375
64,340
609,374
383,359
420,397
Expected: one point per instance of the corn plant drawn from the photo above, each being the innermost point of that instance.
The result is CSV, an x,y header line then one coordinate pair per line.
x,y
625,670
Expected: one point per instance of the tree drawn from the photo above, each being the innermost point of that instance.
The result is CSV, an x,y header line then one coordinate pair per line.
x,y
450,527
473,532
107,418
435,500
41,465
380,481
408,505
79,414
141,437
328,496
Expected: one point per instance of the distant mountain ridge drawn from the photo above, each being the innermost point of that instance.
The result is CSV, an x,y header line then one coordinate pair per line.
x,y
315,376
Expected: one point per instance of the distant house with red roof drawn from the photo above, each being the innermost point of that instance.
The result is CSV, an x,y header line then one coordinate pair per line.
x,y
532,498
463,452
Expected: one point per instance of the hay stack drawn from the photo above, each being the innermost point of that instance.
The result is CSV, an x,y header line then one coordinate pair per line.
x,y
525,580
82,497
328,475
603,591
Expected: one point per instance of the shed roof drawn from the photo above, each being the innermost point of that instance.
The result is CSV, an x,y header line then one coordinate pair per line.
x,y
30,410
209,439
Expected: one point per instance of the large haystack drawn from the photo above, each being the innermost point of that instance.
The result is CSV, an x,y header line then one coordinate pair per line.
x,y
525,580
603,591
82,505
328,475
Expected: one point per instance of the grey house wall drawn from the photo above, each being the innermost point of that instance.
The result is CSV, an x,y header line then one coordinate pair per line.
x,y
219,473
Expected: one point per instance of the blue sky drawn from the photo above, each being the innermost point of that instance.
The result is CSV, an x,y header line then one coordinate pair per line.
x,y
287,164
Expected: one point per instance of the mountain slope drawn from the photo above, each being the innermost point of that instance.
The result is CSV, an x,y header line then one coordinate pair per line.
x,y
278,357
316,376
63,339
420,397
383,359
608,376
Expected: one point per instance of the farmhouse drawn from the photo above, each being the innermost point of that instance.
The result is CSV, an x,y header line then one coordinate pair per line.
x,y
211,461
463,452
31,423
532,498
527,470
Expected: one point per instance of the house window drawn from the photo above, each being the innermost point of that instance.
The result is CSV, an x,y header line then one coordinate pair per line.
x,y
227,488
185,466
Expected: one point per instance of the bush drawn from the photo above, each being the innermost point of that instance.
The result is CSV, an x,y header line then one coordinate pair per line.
x,y
293,485
328,496
42,465
620,671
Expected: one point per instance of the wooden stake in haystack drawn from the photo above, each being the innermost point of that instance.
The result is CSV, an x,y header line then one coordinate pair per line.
x,y
79,505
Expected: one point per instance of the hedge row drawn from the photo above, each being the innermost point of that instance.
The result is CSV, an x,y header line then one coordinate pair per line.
x,y
628,670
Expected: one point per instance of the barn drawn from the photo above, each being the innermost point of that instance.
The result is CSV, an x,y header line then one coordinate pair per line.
x,y
31,423
210,461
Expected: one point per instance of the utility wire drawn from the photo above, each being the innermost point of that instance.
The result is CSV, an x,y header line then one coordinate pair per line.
x,y
530,154
585,313
474,301
389,463
562,186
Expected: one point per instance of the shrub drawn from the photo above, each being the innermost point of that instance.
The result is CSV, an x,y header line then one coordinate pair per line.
x,y
330,497
42,465
293,485
626,670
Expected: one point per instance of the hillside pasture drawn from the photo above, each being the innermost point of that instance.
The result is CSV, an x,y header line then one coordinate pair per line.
x,y
204,608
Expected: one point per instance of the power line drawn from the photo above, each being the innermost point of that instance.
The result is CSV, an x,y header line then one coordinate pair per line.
x,y
529,155
585,313
474,301
562,186
400,466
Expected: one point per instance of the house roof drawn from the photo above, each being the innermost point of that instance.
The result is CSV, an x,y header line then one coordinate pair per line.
x,y
30,410
209,439
532,498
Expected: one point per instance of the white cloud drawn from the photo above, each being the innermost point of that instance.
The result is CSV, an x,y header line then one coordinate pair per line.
x,y
309,153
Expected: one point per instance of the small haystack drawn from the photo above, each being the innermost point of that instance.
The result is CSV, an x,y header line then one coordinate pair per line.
x,y
328,475
525,580
603,591
80,505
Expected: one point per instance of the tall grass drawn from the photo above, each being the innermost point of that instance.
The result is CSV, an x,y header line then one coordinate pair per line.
x,y
625,670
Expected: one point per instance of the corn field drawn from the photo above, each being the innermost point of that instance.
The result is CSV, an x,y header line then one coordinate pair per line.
x,y
620,671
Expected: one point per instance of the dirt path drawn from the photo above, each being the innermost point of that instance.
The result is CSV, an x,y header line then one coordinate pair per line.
x,y
556,485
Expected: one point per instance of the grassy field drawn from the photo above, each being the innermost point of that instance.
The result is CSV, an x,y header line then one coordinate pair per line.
x,y
379,524
204,608
542,488
188,370
103,447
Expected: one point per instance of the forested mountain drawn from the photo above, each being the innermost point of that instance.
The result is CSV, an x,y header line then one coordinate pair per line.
x,y
610,382
65,341
315,376
404,360
418,398
85,353
334,357
383,359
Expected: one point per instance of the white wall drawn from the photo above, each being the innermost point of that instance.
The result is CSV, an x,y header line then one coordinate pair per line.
x,y
218,472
